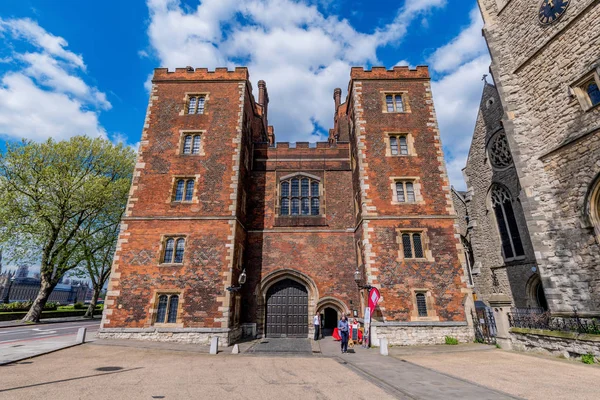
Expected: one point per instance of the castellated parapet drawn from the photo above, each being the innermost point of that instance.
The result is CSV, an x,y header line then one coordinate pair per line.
x,y
215,198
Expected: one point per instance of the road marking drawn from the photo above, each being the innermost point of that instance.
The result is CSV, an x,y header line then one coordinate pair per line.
x,y
2,332
39,338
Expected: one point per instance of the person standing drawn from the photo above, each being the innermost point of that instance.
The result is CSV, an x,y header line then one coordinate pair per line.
x,y
317,324
343,329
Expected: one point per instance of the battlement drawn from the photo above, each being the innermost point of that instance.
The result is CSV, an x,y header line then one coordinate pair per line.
x,y
201,74
302,156
359,73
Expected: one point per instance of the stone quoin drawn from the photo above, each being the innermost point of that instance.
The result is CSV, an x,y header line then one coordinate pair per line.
x,y
215,198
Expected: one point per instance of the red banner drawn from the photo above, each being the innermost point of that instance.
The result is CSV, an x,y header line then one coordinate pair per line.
x,y
374,297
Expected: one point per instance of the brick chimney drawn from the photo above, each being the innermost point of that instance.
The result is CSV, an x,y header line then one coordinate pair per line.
x,y
337,96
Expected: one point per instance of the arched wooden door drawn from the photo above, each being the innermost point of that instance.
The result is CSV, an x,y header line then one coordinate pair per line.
x,y
287,310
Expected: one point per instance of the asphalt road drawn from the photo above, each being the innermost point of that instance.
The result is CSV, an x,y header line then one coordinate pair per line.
x,y
44,331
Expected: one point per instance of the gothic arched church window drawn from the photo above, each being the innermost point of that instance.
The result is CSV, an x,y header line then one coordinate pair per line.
x,y
512,245
499,152
299,195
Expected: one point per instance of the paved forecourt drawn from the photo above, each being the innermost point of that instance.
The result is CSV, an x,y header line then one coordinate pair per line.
x,y
117,372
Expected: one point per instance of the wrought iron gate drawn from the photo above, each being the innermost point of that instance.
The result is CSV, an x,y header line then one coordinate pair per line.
x,y
485,325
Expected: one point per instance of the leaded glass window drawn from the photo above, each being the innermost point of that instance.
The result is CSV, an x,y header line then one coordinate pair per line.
x,y
192,105
179,190
405,192
196,105
189,190
593,92
173,304
174,248
169,246
499,152
184,190
196,145
412,245
406,245
166,311
161,311
403,145
187,144
394,103
398,145
179,248
512,245
417,245
421,304
299,196
394,145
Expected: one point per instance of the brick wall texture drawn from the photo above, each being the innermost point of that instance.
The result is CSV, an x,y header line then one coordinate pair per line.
x,y
234,221
554,140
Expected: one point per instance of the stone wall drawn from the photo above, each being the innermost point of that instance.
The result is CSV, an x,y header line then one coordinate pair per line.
x,y
482,231
412,334
554,140
188,335
562,344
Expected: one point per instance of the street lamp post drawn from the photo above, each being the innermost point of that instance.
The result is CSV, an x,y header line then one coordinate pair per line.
x,y
6,299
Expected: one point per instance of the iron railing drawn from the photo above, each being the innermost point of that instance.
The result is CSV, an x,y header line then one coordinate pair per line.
x,y
537,318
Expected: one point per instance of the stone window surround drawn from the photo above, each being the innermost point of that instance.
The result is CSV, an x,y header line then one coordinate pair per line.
x,y
186,99
299,175
593,208
416,181
431,314
161,249
154,308
175,178
183,133
405,102
492,140
492,214
428,255
577,90
410,141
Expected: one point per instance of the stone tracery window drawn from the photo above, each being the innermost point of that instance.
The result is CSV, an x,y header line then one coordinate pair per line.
x,y
499,152
512,246
299,195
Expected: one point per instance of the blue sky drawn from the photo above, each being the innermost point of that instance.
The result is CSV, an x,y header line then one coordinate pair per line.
x,y
82,67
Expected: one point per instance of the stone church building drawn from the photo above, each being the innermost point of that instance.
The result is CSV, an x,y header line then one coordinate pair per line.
x,y
228,233
533,172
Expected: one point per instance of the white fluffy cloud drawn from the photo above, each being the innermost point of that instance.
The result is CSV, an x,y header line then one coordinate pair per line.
x,y
459,66
301,53
43,94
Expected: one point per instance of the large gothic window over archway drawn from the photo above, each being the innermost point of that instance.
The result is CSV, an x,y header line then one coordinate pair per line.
x,y
499,152
512,246
299,195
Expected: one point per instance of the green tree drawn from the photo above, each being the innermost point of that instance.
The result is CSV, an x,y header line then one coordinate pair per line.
x,y
98,254
55,198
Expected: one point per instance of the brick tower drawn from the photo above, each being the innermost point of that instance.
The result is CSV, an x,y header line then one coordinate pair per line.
x,y
215,200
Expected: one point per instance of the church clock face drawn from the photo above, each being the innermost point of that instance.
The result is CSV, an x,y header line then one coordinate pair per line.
x,y
552,10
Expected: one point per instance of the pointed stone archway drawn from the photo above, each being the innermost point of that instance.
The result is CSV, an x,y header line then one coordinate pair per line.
x,y
286,277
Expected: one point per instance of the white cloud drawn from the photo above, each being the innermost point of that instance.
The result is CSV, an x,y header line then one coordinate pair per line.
x,y
43,94
303,55
466,46
29,30
28,111
457,90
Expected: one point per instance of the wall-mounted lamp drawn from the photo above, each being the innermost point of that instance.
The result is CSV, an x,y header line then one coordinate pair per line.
x,y
241,281
358,280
